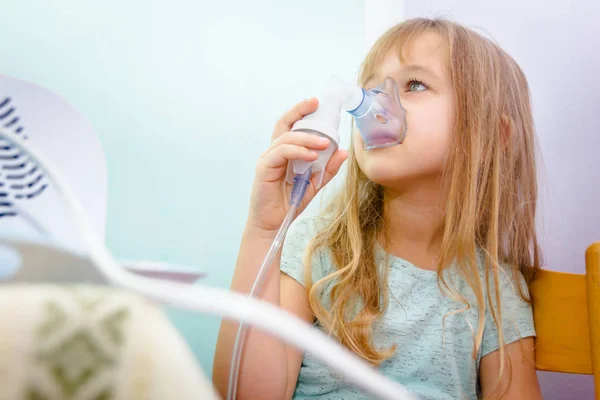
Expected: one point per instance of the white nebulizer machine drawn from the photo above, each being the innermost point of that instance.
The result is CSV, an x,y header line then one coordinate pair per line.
x,y
381,122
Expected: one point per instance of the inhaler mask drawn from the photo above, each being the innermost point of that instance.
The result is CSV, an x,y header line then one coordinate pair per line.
x,y
380,118
377,113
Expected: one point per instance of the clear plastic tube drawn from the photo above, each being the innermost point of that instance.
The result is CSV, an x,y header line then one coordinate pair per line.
x,y
301,182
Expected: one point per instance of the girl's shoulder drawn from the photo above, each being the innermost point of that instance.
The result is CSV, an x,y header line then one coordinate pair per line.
x,y
300,233
509,277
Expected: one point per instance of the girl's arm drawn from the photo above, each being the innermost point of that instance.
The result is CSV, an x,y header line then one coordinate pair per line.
x,y
519,380
269,368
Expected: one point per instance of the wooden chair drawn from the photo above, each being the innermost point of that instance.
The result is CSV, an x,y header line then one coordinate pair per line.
x,y
566,312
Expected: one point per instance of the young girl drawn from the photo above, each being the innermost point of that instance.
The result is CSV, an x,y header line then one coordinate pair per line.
x,y
420,265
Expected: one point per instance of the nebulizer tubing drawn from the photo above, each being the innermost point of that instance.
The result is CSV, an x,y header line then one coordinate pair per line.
x,y
214,301
323,122
301,182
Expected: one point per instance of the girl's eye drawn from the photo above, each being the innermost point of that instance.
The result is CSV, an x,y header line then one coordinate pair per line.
x,y
416,86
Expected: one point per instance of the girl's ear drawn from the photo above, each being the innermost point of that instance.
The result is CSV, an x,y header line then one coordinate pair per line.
x,y
506,129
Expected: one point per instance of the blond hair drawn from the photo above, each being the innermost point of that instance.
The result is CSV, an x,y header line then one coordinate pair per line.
x,y
490,184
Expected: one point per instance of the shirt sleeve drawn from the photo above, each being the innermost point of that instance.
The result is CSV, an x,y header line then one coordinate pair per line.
x,y
302,231
517,315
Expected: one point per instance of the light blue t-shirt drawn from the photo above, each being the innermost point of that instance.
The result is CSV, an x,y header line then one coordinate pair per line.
x,y
428,363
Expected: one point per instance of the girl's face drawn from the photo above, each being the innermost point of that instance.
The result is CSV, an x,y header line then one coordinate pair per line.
x,y
426,93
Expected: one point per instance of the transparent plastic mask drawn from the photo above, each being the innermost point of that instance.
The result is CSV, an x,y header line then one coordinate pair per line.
x,y
381,119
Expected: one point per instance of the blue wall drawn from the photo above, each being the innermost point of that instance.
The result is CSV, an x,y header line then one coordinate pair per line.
x,y
184,95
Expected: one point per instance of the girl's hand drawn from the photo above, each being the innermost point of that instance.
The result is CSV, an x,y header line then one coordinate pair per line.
x,y
270,196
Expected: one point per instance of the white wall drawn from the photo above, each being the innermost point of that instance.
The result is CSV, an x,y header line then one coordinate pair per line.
x,y
556,43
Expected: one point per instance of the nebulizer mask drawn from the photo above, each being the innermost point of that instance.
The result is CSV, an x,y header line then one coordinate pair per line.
x,y
381,122
378,115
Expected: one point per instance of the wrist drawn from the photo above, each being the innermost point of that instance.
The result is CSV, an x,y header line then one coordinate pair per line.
x,y
256,230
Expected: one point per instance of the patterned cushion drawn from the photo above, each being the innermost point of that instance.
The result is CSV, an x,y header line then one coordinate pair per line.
x,y
91,343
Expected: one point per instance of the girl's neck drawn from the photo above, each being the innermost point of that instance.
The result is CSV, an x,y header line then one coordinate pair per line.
x,y
414,223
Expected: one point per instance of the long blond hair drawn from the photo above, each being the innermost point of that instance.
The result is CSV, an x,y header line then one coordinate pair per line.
x,y
491,187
